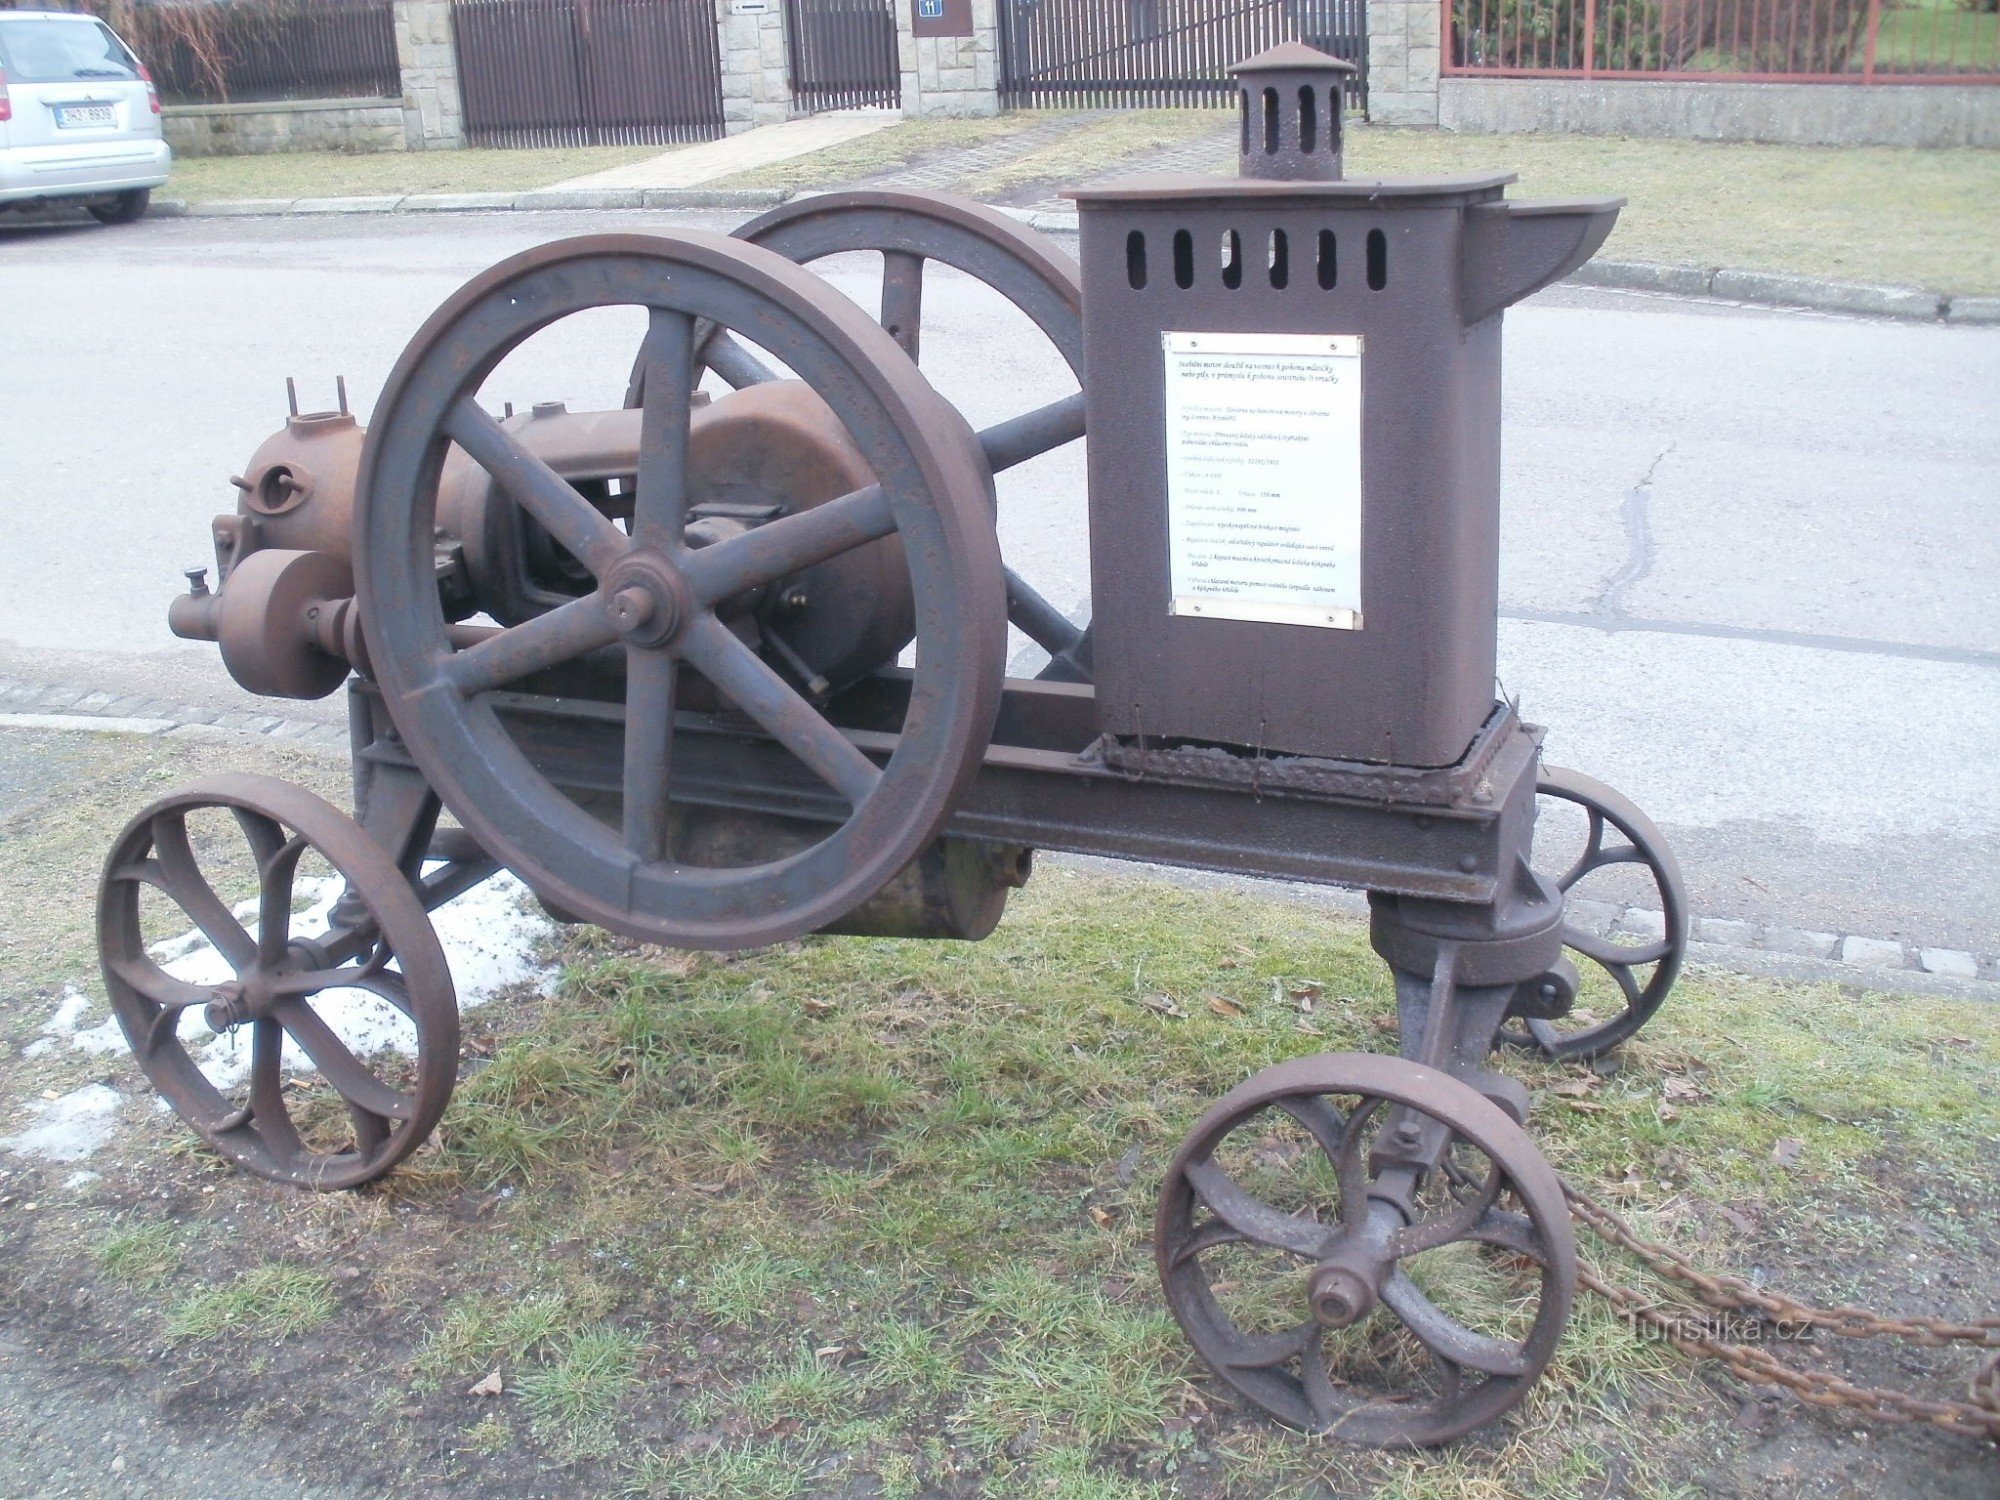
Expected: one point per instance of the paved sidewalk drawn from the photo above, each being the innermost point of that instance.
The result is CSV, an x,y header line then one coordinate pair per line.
x,y
692,165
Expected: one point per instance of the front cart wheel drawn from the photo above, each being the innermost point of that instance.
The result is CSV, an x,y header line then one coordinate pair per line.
x,y
316,1056
1364,1247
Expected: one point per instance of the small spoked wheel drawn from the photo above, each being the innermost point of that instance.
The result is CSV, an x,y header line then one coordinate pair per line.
x,y
675,612
1632,864
1367,1248
311,1054
909,230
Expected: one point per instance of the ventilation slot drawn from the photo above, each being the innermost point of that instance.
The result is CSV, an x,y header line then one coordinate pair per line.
x,y
1281,267
1135,260
1378,260
1308,125
1270,122
1243,123
1329,268
1232,260
1183,259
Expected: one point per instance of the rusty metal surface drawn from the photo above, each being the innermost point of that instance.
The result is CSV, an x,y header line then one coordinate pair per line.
x,y
1381,261
662,602
909,229
1470,782
1643,971
1418,1162
388,950
1033,789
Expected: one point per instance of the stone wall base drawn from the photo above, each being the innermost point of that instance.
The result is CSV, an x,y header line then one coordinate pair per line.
x,y
284,125
1815,114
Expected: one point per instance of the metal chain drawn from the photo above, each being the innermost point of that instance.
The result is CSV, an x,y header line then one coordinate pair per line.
x,y
1979,1417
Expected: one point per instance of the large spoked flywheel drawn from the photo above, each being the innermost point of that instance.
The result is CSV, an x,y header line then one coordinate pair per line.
x,y
671,611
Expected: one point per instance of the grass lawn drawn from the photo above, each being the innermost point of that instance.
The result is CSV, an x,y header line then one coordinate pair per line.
x,y
1853,213
333,174
861,1217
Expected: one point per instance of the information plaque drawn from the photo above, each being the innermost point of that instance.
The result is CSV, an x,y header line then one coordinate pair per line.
x,y
1264,476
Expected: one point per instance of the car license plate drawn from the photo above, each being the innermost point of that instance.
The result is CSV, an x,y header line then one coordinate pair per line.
x,y
73,115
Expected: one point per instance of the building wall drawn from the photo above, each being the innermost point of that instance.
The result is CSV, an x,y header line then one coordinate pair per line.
x,y
433,113
945,76
756,75
288,125
1821,114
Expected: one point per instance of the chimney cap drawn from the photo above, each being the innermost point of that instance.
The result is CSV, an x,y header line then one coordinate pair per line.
x,y
1293,57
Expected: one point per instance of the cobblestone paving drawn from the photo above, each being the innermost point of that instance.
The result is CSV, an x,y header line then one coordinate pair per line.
x,y
952,167
1208,153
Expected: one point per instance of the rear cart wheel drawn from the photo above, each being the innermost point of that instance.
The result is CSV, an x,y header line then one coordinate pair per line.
x,y
198,914
1614,835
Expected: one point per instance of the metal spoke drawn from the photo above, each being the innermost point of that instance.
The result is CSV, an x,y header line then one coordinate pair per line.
x,y
340,977
1509,1231
274,901
1447,1338
1254,1218
266,1104
1429,1234
903,298
563,634
337,1065
158,986
789,545
737,366
1039,620
1313,1379
182,880
1033,433
1614,955
572,520
1260,1351
1348,1166
1209,1236
650,678
667,362
741,676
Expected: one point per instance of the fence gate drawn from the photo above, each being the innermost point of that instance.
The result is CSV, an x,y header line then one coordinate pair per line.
x,y
588,72
1161,53
843,54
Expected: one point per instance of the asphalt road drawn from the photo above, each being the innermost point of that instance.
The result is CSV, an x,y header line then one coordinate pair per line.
x,y
1751,566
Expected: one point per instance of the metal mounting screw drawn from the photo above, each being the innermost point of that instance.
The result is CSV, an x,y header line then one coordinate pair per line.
x,y
197,580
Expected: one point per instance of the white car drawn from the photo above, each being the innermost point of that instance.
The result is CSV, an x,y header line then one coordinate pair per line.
x,y
79,117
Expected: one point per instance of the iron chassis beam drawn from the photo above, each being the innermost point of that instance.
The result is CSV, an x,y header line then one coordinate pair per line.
x,y
1048,781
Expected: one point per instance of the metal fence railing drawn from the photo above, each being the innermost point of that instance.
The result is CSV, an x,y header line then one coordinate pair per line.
x,y
843,54
237,51
588,72
1074,54
1800,41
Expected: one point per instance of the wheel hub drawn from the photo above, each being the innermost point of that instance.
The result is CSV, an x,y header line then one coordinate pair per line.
x,y
647,598
1342,1295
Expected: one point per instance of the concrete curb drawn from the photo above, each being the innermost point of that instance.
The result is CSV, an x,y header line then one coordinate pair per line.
x,y
1761,288
540,200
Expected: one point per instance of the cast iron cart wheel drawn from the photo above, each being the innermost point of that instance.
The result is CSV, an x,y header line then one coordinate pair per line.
x,y
659,601
1644,972
908,229
386,948
1330,1277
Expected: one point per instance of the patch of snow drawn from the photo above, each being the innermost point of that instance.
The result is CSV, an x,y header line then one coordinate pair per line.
x,y
490,936
70,1128
82,1179
38,1046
